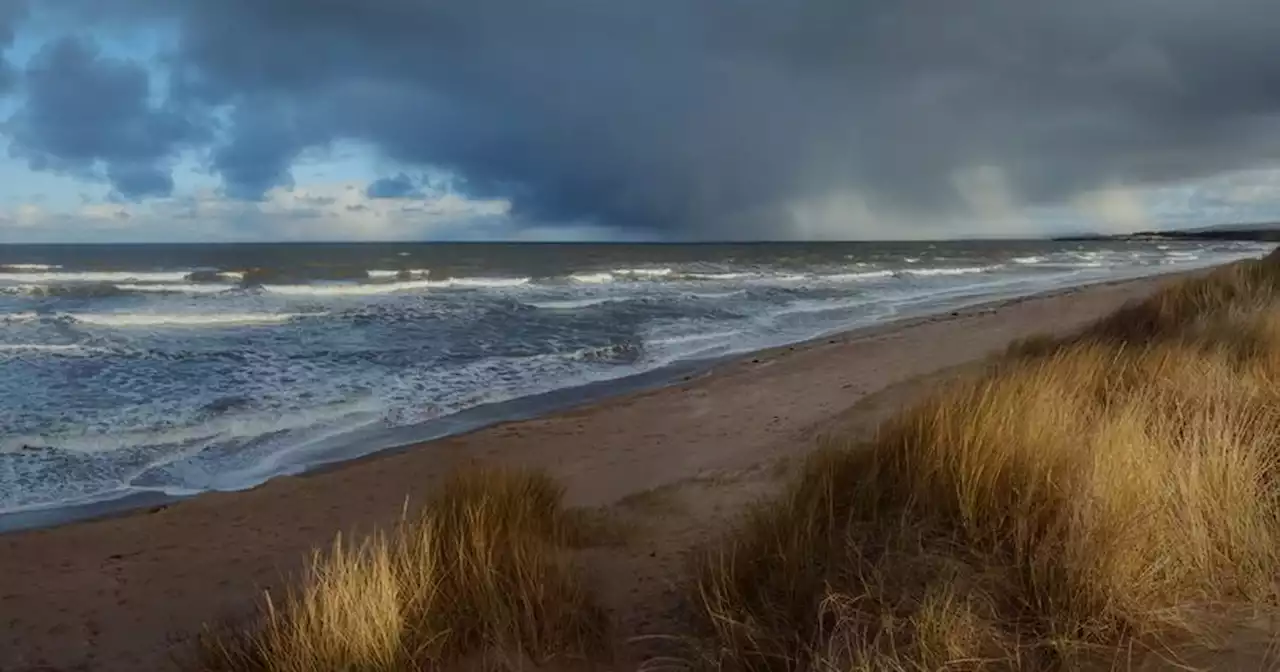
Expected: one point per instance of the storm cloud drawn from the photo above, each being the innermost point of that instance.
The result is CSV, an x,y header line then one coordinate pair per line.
x,y
691,118
10,14
89,115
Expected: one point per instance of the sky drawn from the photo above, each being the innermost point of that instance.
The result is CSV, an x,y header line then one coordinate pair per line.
x,y
257,120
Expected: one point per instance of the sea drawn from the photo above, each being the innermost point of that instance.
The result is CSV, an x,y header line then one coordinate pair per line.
x,y
172,370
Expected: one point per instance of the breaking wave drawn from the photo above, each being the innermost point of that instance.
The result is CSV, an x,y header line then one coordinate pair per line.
x,y
49,278
964,270
140,320
28,267
69,349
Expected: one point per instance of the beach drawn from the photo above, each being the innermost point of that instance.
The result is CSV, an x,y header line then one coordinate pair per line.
x,y
128,592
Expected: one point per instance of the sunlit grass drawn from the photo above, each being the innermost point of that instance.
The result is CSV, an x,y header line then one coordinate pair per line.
x,y
481,572
1081,500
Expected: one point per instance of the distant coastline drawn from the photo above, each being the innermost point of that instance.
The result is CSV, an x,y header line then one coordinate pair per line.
x,y
1265,232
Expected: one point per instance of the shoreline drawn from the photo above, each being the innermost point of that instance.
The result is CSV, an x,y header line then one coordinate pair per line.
x,y
399,439
129,592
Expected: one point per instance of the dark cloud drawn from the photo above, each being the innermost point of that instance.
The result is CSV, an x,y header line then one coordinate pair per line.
x,y
90,115
398,186
712,119
264,142
11,13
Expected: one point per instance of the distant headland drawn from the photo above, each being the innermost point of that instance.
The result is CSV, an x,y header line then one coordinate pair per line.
x,y
1265,232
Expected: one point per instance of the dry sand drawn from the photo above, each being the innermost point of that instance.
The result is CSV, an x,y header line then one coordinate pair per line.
x,y
127,593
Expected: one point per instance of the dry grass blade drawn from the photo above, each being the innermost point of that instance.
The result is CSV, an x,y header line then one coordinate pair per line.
x,y
482,572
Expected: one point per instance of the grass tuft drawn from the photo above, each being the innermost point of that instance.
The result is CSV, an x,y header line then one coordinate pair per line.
x,y
481,574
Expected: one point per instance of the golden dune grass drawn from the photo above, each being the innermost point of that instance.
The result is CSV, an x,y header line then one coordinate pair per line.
x,y
481,574
1092,500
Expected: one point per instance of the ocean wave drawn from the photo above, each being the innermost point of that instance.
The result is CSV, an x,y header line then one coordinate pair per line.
x,y
623,352
229,427
1074,264
482,282
101,290
170,288
374,288
718,276
214,276
404,274
959,270
294,275
1034,259
685,339
189,320
29,267
717,295
65,277
571,304
642,272
855,277
366,289
592,278
69,349
602,277
814,306
91,290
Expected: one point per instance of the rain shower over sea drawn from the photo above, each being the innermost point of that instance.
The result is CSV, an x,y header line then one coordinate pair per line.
x,y
178,369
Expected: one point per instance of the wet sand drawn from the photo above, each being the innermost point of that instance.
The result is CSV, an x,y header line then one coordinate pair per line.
x,y
128,592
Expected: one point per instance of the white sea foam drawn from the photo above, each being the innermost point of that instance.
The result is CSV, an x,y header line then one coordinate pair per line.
x,y
719,276
569,304
19,318
95,276
683,339
348,289
601,277
244,425
856,277
962,270
482,282
185,288
234,276
387,274
643,272
70,349
592,278
30,267
1035,259
816,306
188,320
717,295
